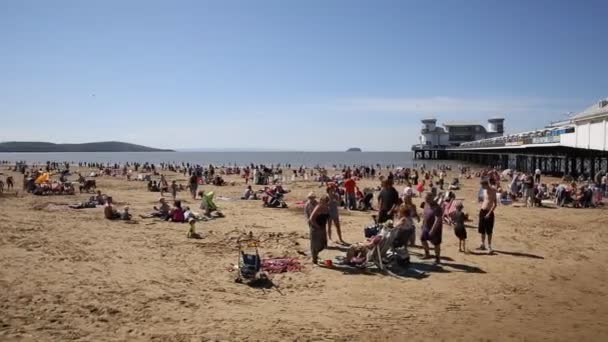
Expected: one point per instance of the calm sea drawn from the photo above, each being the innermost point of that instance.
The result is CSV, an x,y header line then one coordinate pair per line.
x,y
403,159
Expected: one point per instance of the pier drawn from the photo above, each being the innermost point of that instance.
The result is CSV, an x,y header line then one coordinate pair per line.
x,y
577,146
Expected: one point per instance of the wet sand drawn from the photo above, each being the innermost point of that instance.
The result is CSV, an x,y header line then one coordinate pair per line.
x,y
72,275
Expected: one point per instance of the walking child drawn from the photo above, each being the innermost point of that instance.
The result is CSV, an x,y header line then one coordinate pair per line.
x,y
459,229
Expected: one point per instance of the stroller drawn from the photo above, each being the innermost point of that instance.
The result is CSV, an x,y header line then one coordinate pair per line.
x,y
365,201
273,199
250,263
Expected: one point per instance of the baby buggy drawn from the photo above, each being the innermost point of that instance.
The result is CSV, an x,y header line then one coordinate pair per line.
x,y
273,199
250,263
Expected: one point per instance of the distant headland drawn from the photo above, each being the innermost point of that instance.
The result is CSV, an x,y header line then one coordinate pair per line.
x,y
104,146
354,149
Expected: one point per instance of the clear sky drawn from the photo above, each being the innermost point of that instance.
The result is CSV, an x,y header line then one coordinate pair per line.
x,y
302,75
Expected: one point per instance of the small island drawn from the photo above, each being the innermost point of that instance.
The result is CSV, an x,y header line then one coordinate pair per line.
x,y
354,149
105,146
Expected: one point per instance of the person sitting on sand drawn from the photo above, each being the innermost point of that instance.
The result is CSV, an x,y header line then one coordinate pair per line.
x,y
249,194
100,198
125,215
112,214
177,213
162,211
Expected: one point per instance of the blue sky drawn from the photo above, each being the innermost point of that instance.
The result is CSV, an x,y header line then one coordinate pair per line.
x,y
302,75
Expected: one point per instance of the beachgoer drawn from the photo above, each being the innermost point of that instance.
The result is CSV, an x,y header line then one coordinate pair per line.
x,y
537,174
174,190
109,212
9,183
125,215
318,228
432,227
310,205
164,186
408,191
193,185
249,194
192,234
177,213
413,213
420,187
405,224
486,214
100,198
163,211
388,201
351,197
528,192
459,227
334,216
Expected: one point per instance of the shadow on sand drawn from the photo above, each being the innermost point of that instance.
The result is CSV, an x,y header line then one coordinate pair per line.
x,y
518,254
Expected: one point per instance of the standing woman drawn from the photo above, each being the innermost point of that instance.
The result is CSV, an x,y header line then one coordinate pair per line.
x,y
334,216
318,228
432,227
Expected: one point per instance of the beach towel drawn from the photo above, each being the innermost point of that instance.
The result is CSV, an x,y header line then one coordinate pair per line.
x,y
281,265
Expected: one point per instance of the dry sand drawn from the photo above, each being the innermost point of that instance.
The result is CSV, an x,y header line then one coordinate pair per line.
x,y
72,275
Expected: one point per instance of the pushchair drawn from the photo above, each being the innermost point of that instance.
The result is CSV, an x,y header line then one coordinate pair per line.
x,y
250,263
273,199
365,202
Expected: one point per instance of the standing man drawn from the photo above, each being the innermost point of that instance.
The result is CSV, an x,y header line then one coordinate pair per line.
x,y
486,215
388,201
351,198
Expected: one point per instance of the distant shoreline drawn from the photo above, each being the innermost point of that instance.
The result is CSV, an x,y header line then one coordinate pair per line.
x,y
94,147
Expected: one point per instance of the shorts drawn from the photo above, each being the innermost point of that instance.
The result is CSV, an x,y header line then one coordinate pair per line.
x,y
486,225
435,239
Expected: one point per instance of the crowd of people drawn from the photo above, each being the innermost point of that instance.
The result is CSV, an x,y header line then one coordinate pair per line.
x,y
392,208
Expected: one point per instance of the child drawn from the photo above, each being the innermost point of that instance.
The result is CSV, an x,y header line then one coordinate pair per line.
x,y
459,229
192,234
174,190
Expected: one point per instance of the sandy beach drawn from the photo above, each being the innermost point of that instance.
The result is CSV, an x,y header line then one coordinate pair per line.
x,y
72,275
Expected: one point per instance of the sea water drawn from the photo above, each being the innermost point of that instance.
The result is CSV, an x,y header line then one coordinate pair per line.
x,y
296,159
